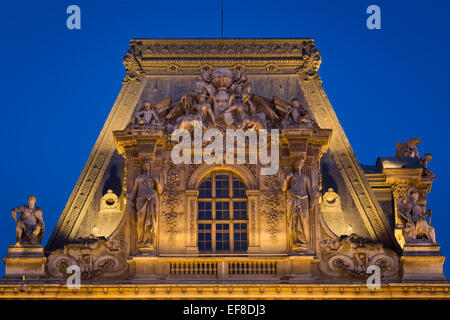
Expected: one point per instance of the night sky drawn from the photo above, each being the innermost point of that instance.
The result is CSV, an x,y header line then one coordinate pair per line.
x,y
58,85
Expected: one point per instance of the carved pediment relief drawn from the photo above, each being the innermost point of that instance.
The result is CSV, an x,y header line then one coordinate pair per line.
x,y
222,100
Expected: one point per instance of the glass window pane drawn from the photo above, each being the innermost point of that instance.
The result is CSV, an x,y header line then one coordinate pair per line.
x,y
222,237
240,237
239,190
222,186
222,210
205,190
240,210
204,210
204,237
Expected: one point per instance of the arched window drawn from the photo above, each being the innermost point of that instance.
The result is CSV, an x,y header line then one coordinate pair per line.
x,y
222,214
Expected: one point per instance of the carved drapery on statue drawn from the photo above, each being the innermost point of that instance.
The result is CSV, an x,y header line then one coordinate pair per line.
x,y
300,200
144,201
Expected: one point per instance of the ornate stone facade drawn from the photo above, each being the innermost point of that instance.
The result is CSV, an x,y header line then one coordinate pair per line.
x,y
218,215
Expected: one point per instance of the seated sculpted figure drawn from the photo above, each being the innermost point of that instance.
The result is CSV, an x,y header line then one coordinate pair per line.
x,y
242,113
296,115
30,225
196,108
203,109
416,227
145,116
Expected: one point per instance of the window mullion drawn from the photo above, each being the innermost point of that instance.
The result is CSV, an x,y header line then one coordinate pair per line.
x,y
213,237
231,237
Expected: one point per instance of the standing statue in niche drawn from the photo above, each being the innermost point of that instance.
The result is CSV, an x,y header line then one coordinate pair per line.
x,y
30,225
416,226
144,201
300,199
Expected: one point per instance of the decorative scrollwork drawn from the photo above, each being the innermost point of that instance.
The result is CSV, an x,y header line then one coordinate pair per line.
x,y
96,258
350,256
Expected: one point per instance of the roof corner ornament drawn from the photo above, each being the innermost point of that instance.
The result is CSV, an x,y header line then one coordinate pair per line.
x,y
135,73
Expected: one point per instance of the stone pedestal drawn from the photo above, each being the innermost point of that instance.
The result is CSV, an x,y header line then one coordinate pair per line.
x,y
147,250
422,262
143,267
26,260
301,268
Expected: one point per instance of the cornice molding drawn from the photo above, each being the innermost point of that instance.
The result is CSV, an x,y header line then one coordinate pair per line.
x,y
189,56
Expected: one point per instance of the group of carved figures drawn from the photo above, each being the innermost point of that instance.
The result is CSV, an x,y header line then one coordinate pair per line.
x,y
221,99
409,149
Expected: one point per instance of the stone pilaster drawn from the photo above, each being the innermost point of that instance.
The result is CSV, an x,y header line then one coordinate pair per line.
x,y
254,231
191,218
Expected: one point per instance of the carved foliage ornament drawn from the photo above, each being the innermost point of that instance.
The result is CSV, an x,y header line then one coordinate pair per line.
x,y
172,200
189,48
133,67
273,206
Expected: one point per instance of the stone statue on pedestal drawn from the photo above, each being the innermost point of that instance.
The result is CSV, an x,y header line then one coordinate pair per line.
x,y
30,225
416,227
300,199
144,201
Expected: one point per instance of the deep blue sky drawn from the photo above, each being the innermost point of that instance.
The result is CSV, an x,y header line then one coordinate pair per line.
x,y
58,85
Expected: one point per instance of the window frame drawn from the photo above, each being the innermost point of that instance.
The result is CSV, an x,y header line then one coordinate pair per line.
x,y
230,221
